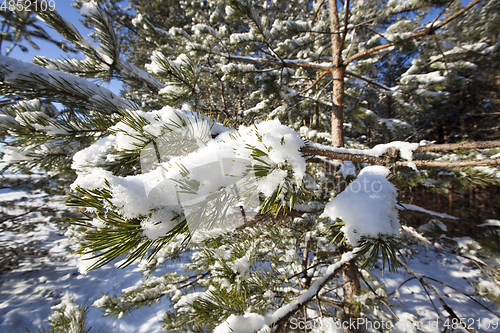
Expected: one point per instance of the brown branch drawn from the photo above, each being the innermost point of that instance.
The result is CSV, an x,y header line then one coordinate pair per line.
x,y
387,159
315,81
368,80
346,20
441,217
391,156
317,12
450,164
461,145
441,52
441,13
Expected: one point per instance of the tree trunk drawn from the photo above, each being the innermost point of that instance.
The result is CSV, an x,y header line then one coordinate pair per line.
x,y
351,285
338,74
338,107
350,276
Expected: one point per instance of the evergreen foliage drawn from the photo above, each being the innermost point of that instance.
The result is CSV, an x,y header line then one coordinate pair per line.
x,y
193,161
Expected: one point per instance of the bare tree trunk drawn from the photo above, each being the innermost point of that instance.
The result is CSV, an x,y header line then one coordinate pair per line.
x,y
338,74
350,277
351,285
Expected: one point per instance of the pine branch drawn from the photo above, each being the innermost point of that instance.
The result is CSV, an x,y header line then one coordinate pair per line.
x,y
476,261
368,80
456,146
303,64
280,317
466,295
101,54
377,296
443,217
451,164
315,82
429,31
391,157
285,63
346,156
35,80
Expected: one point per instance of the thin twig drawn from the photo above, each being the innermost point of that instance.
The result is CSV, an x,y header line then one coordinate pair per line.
x,y
378,296
426,285
417,235
441,13
317,12
325,73
461,292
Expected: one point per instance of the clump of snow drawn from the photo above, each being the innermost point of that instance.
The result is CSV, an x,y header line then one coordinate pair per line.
x,y
423,210
89,9
188,299
13,155
490,222
488,288
94,155
269,183
155,196
467,245
154,230
433,225
248,323
428,78
85,262
137,21
73,314
367,206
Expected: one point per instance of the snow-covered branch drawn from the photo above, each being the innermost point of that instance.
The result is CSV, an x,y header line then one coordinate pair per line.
x,y
426,32
386,154
108,53
284,63
460,145
280,317
19,75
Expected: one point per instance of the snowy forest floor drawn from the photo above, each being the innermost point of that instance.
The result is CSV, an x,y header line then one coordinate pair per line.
x,y
38,268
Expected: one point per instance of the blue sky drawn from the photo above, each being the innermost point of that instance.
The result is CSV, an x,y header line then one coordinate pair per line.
x,y
67,11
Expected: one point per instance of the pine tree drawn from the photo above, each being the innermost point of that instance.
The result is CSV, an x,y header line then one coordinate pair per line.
x,y
184,164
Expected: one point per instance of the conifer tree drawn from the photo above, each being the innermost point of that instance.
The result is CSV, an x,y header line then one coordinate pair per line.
x,y
194,160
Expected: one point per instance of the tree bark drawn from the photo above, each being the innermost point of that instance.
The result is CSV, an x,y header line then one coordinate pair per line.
x,y
338,107
352,287
338,74
350,278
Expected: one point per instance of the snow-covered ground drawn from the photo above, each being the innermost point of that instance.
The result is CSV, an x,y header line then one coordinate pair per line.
x,y
46,270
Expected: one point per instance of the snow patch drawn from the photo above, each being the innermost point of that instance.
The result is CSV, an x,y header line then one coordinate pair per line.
x,y
367,206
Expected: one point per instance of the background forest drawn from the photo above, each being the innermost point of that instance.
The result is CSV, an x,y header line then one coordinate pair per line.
x,y
272,166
